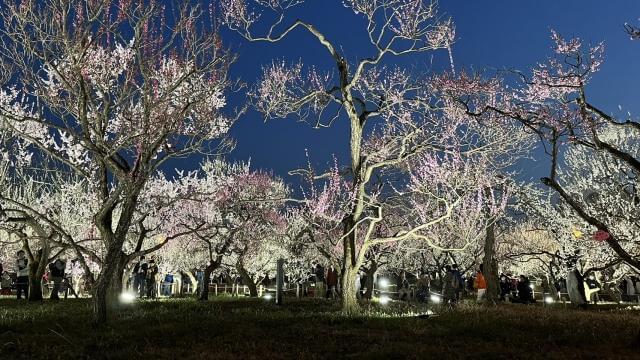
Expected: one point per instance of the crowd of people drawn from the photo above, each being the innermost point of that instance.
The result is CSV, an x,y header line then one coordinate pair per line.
x,y
451,286
57,278
455,285
145,278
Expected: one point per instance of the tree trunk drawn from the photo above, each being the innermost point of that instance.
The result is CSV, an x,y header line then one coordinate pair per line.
x,y
350,304
370,273
248,280
115,285
101,290
490,268
206,279
37,267
35,281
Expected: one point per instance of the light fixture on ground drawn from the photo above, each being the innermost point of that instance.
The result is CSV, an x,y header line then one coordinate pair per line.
x,y
435,298
127,297
384,283
384,300
548,300
267,297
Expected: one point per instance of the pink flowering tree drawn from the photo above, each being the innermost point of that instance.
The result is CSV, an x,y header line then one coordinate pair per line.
x,y
54,217
110,91
231,215
403,142
41,212
592,151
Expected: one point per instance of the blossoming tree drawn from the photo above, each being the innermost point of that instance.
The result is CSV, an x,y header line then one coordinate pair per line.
x,y
598,179
398,127
231,213
111,91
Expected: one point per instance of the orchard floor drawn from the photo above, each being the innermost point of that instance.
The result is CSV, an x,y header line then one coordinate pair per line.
x,y
227,328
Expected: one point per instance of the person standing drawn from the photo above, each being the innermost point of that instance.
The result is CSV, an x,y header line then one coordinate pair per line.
x,y
167,284
525,293
319,273
139,276
56,271
458,277
5,283
22,281
152,272
448,286
505,288
332,282
591,287
200,280
481,284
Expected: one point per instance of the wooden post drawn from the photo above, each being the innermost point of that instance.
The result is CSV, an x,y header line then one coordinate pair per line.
x,y
279,281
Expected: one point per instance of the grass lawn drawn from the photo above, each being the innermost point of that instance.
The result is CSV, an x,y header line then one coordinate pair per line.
x,y
226,328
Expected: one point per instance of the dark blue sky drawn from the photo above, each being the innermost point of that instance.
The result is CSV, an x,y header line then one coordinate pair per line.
x,y
491,34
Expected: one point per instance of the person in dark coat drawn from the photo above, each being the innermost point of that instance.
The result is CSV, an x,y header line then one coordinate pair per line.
x,y
449,282
139,276
505,288
332,282
525,293
152,273
319,273
56,271
458,277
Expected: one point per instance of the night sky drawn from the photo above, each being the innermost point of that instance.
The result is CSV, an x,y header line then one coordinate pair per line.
x,y
494,34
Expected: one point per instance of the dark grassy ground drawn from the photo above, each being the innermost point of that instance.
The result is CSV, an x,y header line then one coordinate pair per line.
x,y
254,329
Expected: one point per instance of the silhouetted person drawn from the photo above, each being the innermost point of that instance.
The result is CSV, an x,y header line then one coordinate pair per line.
x,y
56,271
22,281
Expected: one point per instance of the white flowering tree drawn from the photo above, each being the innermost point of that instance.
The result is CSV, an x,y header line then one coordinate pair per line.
x,y
398,126
43,210
604,186
231,214
110,92
598,178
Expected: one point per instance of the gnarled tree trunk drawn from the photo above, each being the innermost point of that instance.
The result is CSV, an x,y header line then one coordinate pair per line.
x,y
370,275
206,279
116,284
349,299
247,279
37,267
490,267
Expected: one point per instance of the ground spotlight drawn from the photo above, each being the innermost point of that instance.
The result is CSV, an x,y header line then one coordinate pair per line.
x,y
548,300
267,297
436,299
384,283
384,300
127,297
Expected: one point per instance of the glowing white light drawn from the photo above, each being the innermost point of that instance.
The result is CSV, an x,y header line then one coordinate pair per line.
x,y
531,286
436,299
267,297
127,297
548,300
384,300
384,283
